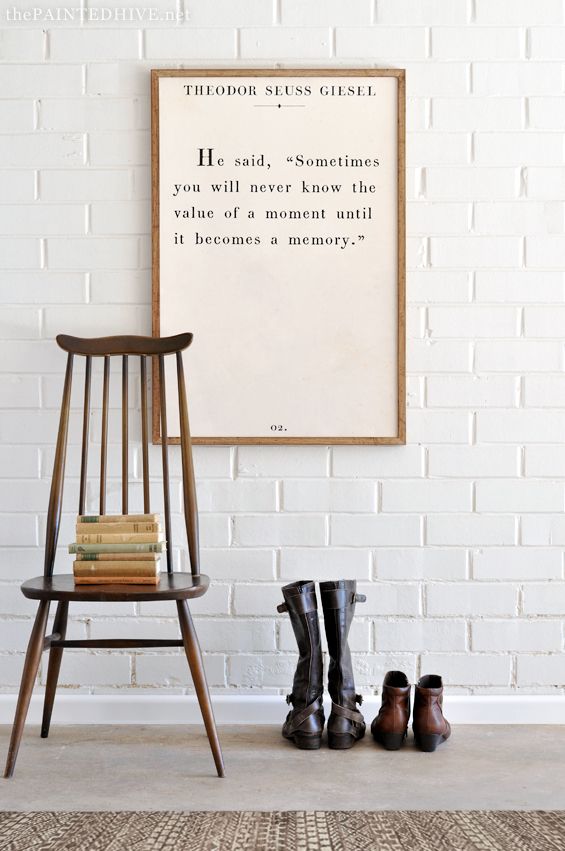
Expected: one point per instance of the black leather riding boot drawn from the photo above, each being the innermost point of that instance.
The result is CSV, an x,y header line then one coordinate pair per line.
x,y
345,724
305,722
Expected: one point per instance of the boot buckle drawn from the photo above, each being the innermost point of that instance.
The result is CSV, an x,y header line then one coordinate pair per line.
x,y
289,698
282,607
359,598
359,699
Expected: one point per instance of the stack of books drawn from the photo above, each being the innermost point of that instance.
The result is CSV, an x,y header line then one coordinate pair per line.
x,y
117,548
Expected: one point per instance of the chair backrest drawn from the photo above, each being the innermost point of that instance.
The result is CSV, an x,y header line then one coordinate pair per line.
x,y
125,347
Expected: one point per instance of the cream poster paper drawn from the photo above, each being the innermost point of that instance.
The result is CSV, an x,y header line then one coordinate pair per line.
x,y
279,250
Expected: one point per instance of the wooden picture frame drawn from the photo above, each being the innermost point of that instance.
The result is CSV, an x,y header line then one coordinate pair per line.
x,y
167,110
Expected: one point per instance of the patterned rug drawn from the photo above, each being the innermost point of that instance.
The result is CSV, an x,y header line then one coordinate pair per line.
x,y
303,831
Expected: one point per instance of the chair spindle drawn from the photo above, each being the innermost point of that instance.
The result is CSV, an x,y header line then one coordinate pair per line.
x,y
104,443
85,430
56,493
125,403
165,456
144,435
188,478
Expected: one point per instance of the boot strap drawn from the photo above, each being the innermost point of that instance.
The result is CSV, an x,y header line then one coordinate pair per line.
x,y
351,714
298,718
339,598
301,604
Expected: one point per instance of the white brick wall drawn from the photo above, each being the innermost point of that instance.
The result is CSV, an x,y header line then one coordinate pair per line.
x,y
457,539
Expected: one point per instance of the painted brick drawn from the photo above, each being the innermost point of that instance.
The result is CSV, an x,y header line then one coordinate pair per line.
x,y
511,495
237,496
43,219
284,42
84,185
471,183
92,252
328,495
420,563
546,184
544,321
40,80
540,670
528,148
19,461
217,43
237,563
546,113
426,496
42,149
17,185
91,113
383,598
466,391
545,461
119,148
474,321
429,355
520,426
519,286
475,670
89,669
284,461
521,12
172,670
332,13
18,115
364,530
476,251
516,635
382,43
324,564
280,530
517,356
466,598
547,42
426,79
377,461
476,113
422,12
437,219
432,148
439,426
477,43
547,598
519,218
76,45
545,251
516,78
470,530
124,287
421,636
431,286
473,461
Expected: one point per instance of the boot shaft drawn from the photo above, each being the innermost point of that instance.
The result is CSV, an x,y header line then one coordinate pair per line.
x,y
301,604
338,603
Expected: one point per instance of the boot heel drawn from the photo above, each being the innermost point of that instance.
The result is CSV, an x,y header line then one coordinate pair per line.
x,y
429,742
340,741
391,741
307,742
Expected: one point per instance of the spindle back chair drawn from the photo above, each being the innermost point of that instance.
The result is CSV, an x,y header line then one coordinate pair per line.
x,y
177,586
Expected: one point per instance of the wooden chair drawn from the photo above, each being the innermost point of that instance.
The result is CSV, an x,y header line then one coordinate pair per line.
x,y
61,588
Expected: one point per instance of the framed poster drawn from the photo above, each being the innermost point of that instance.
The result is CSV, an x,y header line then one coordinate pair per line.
x,y
279,241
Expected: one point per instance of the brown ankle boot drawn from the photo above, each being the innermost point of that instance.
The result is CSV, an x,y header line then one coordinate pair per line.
x,y
390,727
429,726
305,722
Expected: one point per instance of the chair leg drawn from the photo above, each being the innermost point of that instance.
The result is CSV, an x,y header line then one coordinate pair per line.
x,y
55,657
33,657
194,656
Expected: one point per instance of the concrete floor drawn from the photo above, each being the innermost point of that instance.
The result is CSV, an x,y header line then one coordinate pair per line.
x,y
170,768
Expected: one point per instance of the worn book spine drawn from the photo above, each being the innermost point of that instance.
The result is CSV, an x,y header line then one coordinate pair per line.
x,y
115,568
117,580
116,528
121,538
118,518
121,556
118,548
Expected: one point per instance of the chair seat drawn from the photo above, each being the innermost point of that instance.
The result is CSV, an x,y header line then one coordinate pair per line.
x,y
172,586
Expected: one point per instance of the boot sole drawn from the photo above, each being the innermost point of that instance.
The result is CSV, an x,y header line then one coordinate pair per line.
x,y
390,741
305,742
428,743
